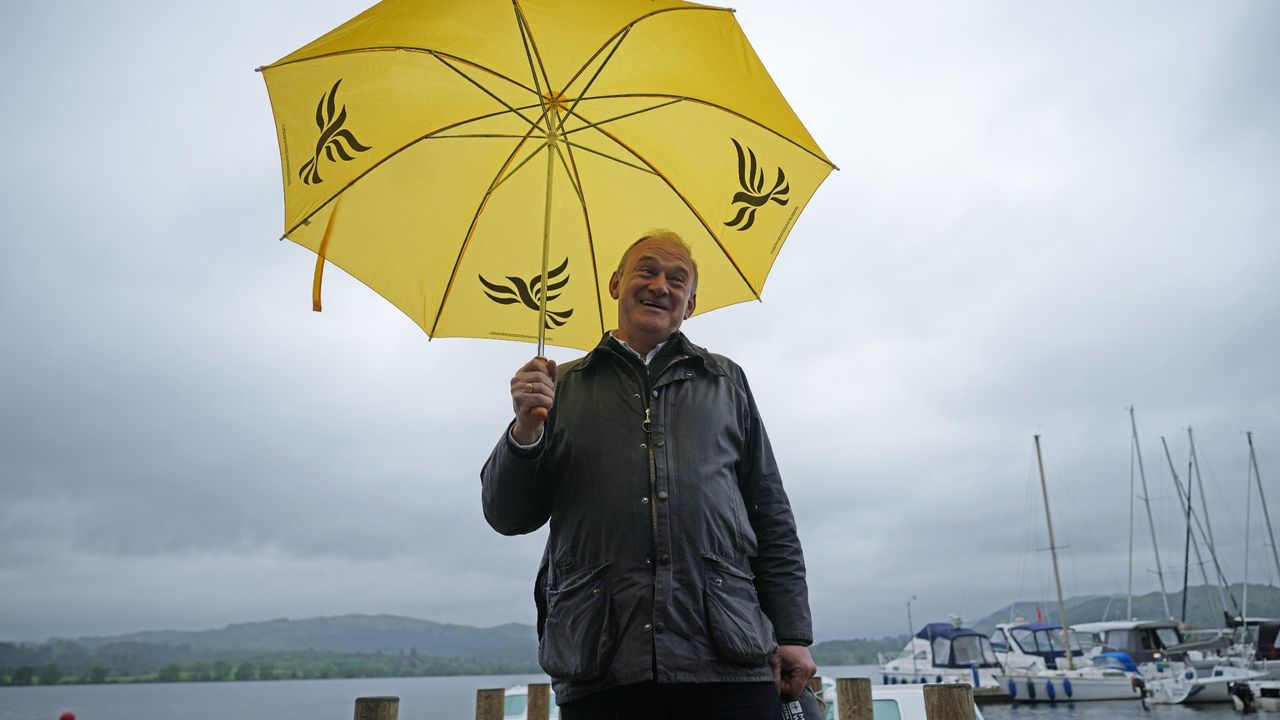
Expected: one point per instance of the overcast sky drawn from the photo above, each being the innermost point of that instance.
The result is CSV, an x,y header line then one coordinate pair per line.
x,y
1046,212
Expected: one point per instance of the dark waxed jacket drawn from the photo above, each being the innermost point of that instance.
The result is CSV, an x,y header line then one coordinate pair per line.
x,y
673,553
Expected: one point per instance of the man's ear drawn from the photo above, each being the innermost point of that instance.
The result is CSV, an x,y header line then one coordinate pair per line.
x,y
689,306
613,285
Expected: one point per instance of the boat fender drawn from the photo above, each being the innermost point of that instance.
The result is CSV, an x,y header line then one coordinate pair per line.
x,y
1066,686
939,680
1013,689
1031,691
973,668
1049,689
1190,675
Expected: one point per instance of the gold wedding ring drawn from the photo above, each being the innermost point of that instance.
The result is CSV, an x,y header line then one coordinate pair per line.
x,y
528,387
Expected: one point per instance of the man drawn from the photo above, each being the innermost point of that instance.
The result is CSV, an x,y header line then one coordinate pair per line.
x,y
673,582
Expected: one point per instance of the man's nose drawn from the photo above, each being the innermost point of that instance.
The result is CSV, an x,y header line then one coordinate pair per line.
x,y
658,284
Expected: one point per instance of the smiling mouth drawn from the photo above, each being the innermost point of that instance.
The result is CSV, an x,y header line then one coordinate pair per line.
x,y
649,303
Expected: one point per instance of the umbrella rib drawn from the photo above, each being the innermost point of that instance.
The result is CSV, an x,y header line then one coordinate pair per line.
x,y
589,126
466,240
626,29
606,155
404,48
487,91
621,36
429,136
697,101
530,52
705,225
507,176
586,219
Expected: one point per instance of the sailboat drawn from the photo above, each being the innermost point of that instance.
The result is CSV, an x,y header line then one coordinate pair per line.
x,y
1111,676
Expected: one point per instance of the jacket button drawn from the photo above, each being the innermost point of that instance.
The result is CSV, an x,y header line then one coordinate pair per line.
x,y
659,442
647,627
662,495
654,393
664,558
645,499
637,396
659,626
648,562
719,581
643,446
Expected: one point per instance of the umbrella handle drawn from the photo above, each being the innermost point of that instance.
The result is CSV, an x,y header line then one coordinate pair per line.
x,y
539,413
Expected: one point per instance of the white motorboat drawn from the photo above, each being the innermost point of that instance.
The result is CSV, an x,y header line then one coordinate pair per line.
x,y
1024,646
943,653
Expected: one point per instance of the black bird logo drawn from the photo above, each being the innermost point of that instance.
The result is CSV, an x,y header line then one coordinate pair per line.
x,y
334,139
530,293
751,177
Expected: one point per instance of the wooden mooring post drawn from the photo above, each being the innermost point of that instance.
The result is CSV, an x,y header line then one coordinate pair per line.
x,y
539,705
489,704
853,698
377,708
949,701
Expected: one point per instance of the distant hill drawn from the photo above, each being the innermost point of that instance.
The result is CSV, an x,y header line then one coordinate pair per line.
x,y
368,634
1203,607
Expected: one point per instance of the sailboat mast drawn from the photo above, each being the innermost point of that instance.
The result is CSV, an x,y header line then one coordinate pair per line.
x,y
1206,532
1053,551
1128,596
1253,463
1146,499
1186,506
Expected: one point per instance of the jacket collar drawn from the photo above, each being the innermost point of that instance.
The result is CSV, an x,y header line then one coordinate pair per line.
x,y
684,349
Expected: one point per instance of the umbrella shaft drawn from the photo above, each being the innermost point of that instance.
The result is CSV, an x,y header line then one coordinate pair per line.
x,y
546,237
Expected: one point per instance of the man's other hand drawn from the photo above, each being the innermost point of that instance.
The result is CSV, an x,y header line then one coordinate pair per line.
x,y
792,668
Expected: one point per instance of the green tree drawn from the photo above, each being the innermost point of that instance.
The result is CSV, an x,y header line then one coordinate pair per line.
x,y
50,674
247,671
170,673
98,674
23,675
221,669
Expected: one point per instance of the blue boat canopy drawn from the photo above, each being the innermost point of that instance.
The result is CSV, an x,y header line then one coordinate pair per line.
x,y
928,632
954,647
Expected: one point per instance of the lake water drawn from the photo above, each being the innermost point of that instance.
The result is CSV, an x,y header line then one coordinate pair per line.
x,y
437,698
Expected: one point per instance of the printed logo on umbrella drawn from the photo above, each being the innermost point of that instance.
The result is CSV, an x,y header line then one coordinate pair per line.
x,y
752,197
335,140
529,293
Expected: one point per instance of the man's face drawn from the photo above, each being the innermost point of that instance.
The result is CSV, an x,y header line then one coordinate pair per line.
x,y
655,292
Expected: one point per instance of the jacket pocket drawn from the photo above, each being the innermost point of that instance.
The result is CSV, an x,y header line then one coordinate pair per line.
x,y
576,640
740,632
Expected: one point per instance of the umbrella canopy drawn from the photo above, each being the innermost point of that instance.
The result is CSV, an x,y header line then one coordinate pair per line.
x,y
458,157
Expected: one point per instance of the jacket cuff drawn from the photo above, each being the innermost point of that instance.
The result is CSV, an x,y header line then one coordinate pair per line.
x,y
802,643
525,452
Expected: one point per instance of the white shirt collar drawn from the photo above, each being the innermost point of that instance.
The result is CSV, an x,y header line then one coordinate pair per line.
x,y
644,358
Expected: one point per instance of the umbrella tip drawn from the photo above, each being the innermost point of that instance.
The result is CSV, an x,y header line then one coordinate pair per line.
x,y
259,68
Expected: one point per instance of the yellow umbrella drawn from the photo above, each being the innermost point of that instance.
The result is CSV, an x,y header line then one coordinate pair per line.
x,y
482,163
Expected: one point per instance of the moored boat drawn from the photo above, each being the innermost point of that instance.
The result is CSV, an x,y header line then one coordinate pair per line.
x,y
943,653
